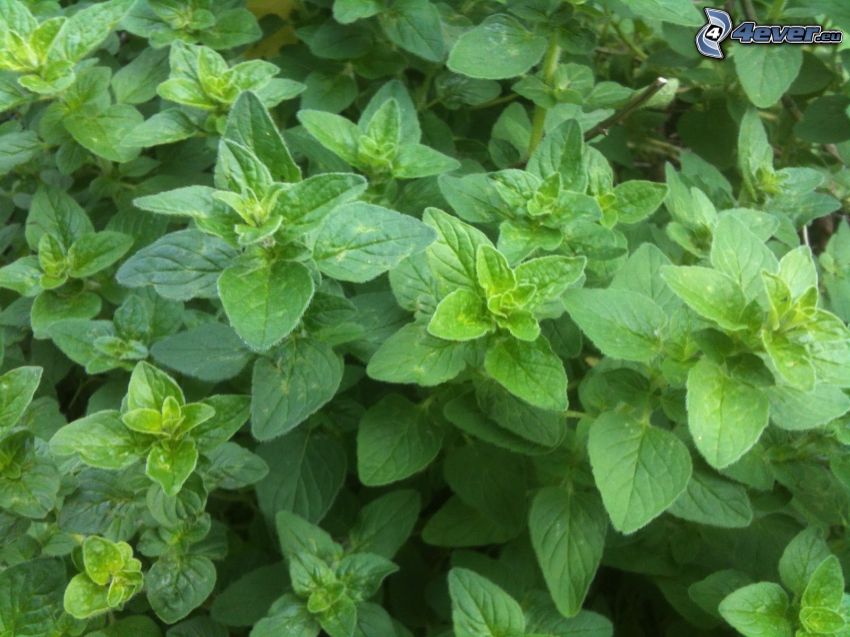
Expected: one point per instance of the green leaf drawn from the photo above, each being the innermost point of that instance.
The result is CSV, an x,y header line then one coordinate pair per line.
x,y
177,584
464,413
250,124
766,73
54,212
498,48
383,126
31,597
825,120
233,467
136,625
17,149
289,613
482,609
493,272
359,241
797,270
726,415
49,308
341,619
635,200
711,294
231,412
166,127
22,276
461,316
306,204
672,11
247,599
452,256
739,253
544,619
805,553
797,410
821,620
190,201
825,588
171,464
336,133
790,360
102,559
529,370
348,11
714,502
395,440
285,394
91,253
76,339
415,161
621,323
150,387
758,610
384,524
84,598
17,388
180,265
550,275
251,293
568,534
239,169
306,471
30,483
299,536
211,352
136,82
457,525
491,481
83,32
412,355
101,440
415,26
755,154
362,573
640,469
641,273
104,133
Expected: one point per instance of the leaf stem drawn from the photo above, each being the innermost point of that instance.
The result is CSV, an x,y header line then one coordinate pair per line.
x,y
550,65
639,53
504,99
630,107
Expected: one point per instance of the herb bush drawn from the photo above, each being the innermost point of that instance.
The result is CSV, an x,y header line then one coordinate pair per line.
x,y
383,318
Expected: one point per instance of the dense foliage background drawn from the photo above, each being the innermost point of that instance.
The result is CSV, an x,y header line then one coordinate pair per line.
x,y
381,318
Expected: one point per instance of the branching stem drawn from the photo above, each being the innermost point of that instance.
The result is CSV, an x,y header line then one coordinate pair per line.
x,y
630,107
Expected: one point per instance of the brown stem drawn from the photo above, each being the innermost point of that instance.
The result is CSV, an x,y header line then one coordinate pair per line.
x,y
631,106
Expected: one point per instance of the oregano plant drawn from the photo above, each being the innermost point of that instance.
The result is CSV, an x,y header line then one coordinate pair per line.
x,y
407,318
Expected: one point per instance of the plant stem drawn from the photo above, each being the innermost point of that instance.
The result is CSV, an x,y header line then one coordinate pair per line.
x,y
504,99
422,94
639,53
630,107
550,65
749,10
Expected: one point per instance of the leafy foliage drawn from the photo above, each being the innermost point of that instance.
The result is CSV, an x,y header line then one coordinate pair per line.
x,y
395,318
